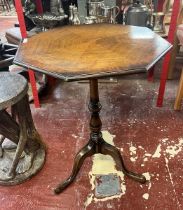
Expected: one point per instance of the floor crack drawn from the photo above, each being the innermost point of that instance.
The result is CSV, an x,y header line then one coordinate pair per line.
x,y
171,180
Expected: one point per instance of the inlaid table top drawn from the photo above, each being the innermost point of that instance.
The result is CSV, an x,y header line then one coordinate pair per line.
x,y
86,51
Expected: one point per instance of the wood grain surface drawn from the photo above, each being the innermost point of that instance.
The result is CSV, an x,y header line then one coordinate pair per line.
x,y
85,51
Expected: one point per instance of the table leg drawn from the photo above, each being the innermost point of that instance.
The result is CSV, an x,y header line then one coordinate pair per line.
x,y
96,143
108,149
85,152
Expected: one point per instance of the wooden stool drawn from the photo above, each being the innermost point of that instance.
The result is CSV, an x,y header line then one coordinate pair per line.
x,y
22,152
177,105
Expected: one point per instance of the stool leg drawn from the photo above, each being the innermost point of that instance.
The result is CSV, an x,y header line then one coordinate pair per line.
x,y
177,105
17,109
9,127
13,112
1,141
34,140
27,130
19,150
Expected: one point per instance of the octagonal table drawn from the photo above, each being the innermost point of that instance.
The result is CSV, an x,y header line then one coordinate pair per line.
x,y
89,52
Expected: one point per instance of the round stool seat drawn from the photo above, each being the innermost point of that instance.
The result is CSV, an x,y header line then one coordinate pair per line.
x,y
13,87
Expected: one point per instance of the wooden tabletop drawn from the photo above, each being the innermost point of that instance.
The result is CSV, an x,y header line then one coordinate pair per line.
x,y
85,51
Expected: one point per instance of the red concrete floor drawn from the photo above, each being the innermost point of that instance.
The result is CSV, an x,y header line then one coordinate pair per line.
x,y
129,113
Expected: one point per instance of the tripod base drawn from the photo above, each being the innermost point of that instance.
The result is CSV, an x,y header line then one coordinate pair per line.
x,y
91,148
96,143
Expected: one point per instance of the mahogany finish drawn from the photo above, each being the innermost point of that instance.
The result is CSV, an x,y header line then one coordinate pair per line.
x,y
85,51
92,51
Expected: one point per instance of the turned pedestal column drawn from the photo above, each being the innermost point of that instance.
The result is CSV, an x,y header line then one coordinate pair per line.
x,y
96,143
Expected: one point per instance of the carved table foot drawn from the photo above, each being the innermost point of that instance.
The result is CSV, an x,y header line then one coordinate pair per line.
x,y
85,152
108,149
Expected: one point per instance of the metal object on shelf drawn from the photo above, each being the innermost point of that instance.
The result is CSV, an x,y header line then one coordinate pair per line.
x,y
47,20
90,20
102,12
71,14
83,8
137,14
56,7
50,19
158,22
94,7
110,13
76,20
